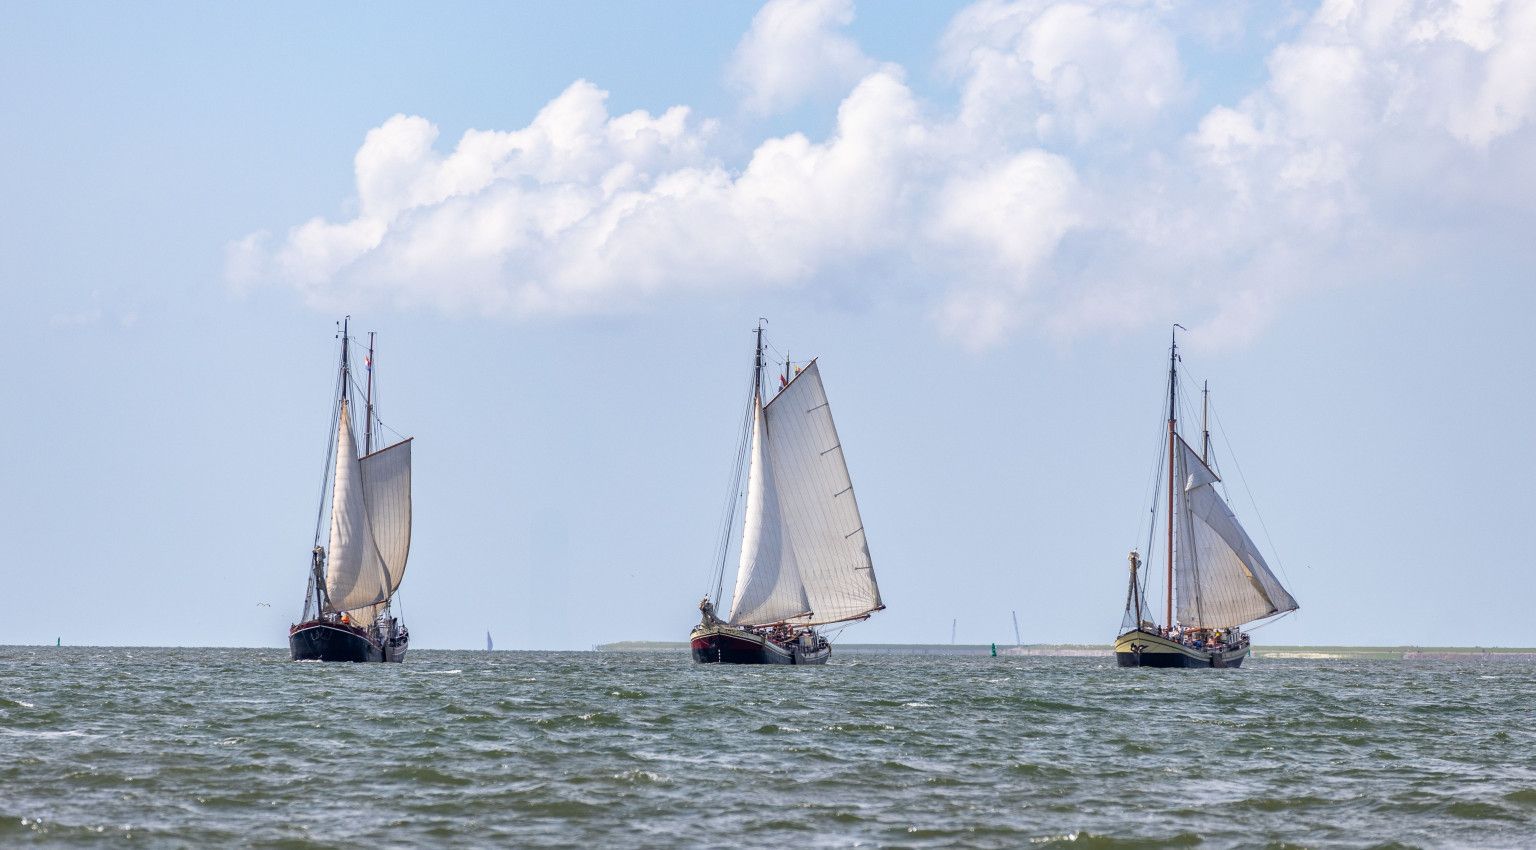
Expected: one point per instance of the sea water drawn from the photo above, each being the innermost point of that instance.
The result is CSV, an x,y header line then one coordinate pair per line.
x,y
243,748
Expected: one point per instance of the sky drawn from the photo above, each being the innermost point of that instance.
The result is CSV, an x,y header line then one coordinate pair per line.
x,y
563,220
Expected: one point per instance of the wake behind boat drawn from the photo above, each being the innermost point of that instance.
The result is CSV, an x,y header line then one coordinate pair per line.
x,y
804,557
1215,572
347,614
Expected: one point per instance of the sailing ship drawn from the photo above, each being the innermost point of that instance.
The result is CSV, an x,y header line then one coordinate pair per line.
x,y
352,581
804,560
1215,574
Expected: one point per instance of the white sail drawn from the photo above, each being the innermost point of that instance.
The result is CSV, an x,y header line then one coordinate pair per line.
x,y
387,492
768,586
1222,579
804,554
365,616
356,577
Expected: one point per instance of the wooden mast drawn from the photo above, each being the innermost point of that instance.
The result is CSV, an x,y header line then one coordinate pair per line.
x,y
1205,424
368,421
757,364
346,368
1173,437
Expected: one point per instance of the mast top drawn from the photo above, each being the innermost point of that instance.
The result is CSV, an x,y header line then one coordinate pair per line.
x,y
1205,423
757,367
1173,370
368,400
346,366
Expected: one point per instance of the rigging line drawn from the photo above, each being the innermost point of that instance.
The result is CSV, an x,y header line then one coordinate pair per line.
x,y
1157,467
830,633
1146,572
1271,621
1157,480
361,390
1256,512
380,425
323,502
330,451
1186,400
727,521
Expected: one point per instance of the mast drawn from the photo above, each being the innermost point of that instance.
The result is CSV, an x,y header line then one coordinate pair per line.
x,y
757,365
1135,595
346,378
346,368
1205,424
786,368
368,421
317,558
1173,419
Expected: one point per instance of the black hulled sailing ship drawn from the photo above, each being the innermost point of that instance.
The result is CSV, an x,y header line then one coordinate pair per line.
x,y
804,558
1215,574
352,582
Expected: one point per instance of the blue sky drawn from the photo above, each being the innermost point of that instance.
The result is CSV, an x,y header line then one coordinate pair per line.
x,y
564,219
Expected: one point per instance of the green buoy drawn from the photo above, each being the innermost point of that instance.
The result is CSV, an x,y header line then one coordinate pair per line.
x,y
994,650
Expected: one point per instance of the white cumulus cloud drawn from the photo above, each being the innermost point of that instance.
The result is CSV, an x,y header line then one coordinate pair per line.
x,y
795,49
1061,189
1070,71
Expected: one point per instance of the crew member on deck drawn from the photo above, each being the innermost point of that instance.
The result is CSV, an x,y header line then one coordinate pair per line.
x,y
707,608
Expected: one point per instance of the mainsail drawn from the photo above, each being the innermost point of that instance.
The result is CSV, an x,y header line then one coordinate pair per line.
x,y
1223,581
804,557
370,524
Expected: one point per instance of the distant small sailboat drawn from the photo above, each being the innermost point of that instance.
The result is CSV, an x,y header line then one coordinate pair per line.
x,y
488,644
352,582
1216,575
804,557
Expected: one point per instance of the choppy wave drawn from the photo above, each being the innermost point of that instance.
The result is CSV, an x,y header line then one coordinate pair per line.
x,y
197,748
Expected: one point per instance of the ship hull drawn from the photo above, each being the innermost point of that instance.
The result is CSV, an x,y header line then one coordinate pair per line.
x,y
723,644
1145,649
321,640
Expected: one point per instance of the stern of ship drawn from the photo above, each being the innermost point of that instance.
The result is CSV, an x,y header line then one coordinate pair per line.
x,y
324,640
720,643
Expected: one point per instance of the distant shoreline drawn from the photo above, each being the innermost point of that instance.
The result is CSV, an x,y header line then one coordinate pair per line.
x,y
1070,650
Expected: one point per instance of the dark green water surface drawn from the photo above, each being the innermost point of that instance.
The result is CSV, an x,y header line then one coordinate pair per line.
x,y
238,747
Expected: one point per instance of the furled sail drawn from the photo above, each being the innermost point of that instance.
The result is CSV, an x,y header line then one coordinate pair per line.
x,y
370,524
804,554
1222,579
